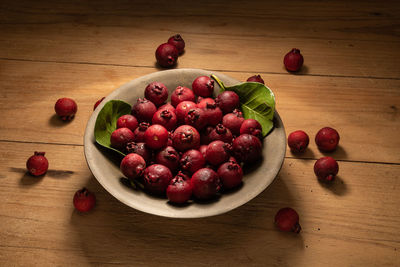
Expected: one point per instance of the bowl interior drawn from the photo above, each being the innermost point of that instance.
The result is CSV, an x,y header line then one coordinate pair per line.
x,y
107,172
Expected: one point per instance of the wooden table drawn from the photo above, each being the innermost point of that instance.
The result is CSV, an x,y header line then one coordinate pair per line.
x,y
85,50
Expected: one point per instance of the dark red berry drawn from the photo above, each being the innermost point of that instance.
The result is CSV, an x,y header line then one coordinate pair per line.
x,y
157,178
231,174
327,139
326,168
120,137
166,55
156,92
178,42
182,110
167,106
217,152
256,78
139,132
251,126
181,94
166,118
205,183
66,108
298,141
247,148
233,121
213,114
203,86
169,158
204,101
84,200
293,60
228,101
140,149
192,160
98,103
179,189
197,118
144,110
127,121
132,166
186,137
287,220
37,164
156,136
221,133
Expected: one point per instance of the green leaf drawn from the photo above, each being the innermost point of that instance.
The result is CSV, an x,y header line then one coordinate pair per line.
x,y
257,102
106,122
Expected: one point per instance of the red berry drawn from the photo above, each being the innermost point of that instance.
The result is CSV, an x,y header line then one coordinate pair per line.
x,y
37,164
181,94
84,200
186,137
287,220
98,103
203,86
156,92
192,160
139,132
256,78
251,126
206,184
182,110
178,42
228,101
233,121
217,152
298,141
144,110
132,166
179,189
166,55
167,106
140,149
120,137
221,133
293,60
247,148
213,114
66,108
157,178
169,158
326,168
127,121
196,117
203,150
327,139
231,174
166,118
156,136
202,102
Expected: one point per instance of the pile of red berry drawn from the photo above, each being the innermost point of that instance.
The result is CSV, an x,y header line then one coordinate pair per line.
x,y
194,145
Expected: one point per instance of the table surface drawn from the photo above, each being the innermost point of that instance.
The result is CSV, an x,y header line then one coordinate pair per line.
x,y
84,50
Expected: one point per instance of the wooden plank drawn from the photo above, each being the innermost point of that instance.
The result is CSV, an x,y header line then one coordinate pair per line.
x,y
355,221
356,43
360,109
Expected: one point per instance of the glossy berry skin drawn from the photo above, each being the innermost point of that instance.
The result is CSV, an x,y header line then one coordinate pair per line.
x,y
251,126
203,86
287,220
196,117
179,189
192,160
213,114
84,200
247,148
139,132
140,149
217,153
66,108
204,101
256,78
156,178
326,168
166,55
233,121
186,137
144,110
298,141
120,137
98,103
156,136
167,106
203,150
181,94
221,133
168,157
231,174
127,121
327,139
205,135
37,164
228,101
182,110
156,92
293,60
132,166
166,118
206,184
178,42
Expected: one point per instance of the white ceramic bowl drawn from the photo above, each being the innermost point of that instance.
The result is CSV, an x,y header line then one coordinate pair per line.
x,y
108,174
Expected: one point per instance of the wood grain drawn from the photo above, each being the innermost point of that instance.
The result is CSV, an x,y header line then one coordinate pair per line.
x,y
113,233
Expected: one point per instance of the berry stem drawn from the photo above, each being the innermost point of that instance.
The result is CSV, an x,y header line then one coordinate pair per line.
x,y
220,83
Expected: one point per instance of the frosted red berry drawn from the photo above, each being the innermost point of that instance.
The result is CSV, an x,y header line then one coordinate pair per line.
x,y
66,108
247,148
231,174
233,121
179,189
293,60
120,137
203,86
156,92
178,42
127,121
327,139
84,200
186,137
156,178
298,141
182,110
144,110
213,114
217,152
221,133
37,164
206,184
168,157
251,126
156,136
326,168
132,166
166,55
196,117
166,118
181,94
228,101
287,220
139,132
192,160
